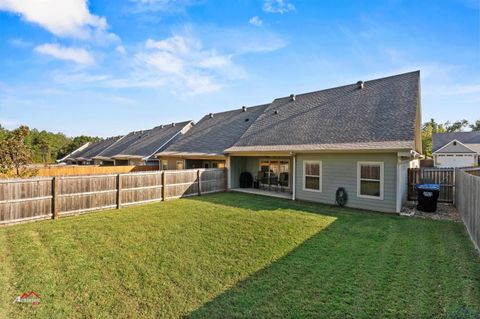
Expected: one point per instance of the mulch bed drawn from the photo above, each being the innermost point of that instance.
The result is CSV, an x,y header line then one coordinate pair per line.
x,y
444,212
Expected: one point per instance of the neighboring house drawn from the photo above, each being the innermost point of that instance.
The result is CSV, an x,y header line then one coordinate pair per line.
x,y
203,146
140,147
86,155
361,137
457,149
70,158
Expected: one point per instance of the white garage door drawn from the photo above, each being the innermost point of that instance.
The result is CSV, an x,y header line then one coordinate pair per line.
x,y
455,160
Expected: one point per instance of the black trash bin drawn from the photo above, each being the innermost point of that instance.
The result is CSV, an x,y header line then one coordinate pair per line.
x,y
427,197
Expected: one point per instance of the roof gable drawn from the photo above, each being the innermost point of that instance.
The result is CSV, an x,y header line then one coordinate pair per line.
x,y
384,110
441,139
455,147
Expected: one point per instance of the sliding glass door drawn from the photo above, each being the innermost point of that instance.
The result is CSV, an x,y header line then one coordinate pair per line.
x,y
275,172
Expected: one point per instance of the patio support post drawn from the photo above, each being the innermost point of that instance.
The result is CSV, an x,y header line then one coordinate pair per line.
x,y
228,183
294,168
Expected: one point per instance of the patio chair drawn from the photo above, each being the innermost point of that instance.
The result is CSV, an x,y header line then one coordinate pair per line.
x,y
283,181
274,182
262,180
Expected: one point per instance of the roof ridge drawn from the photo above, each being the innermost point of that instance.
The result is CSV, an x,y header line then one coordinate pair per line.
x,y
238,109
347,85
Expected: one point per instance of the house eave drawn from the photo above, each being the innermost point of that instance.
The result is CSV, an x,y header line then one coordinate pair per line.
x,y
372,147
127,157
191,155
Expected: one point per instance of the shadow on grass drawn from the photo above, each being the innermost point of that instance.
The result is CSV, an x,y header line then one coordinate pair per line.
x,y
261,202
358,267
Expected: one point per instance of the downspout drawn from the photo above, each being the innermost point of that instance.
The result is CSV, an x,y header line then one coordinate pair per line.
x,y
293,175
398,203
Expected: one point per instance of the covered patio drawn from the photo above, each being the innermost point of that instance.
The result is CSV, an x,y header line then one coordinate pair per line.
x,y
268,174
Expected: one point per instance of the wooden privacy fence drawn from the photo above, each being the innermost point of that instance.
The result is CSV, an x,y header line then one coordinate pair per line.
x,y
43,198
67,170
468,202
443,176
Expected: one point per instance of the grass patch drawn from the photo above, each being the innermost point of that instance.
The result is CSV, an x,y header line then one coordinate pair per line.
x,y
238,255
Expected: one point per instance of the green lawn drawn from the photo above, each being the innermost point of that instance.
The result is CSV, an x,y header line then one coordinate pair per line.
x,y
237,255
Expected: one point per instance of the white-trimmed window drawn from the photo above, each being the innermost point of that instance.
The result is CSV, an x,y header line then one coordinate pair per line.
x,y
164,165
370,178
312,176
179,165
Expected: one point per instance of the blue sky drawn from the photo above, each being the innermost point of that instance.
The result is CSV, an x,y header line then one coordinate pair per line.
x,y
109,67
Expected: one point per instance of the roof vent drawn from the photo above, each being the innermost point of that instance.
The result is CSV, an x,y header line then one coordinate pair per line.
x,y
173,124
244,109
292,97
161,126
360,85
276,112
210,115
246,120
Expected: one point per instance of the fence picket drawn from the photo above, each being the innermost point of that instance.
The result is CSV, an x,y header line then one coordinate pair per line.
x,y
468,202
425,175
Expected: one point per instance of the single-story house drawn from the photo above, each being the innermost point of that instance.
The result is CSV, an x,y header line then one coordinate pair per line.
x,y
457,149
86,155
357,139
140,147
203,146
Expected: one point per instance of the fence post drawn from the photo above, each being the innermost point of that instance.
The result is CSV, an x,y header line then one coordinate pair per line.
x,y
55,198
199,182
119,191
454,190
225,178
164,184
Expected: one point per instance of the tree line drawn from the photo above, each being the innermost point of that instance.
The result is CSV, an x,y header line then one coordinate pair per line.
x,y
23,146
430,127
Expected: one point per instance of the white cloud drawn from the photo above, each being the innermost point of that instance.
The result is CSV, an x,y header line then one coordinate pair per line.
x,y
168,6
278,6
180,63
20,43
65,18
256,21
78,55
120,49
183,61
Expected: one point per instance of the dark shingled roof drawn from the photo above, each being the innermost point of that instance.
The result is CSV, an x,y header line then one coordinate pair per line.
x,y
154,140
212,135
383,113
96,148
143,143
441,139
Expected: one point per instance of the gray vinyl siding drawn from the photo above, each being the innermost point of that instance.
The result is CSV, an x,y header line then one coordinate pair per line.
x,y
403,170
340,170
